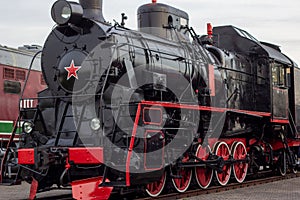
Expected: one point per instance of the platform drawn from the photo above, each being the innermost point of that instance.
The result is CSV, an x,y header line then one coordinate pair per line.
x,y
21,192
280,190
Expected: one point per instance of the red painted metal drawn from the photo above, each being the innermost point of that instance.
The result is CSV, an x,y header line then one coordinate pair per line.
x,y
68,165
231,141
294,143
182,106
277,145
204,108
131,145
204,175
151,122
183,183
86,155
211,142
10,102
280,121
221,149
154,1
154,189
240,169
88,189
72,70
26,156
33,189
209,30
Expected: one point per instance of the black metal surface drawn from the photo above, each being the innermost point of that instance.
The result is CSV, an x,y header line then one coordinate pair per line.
x,y
234,74
64,12
296,98
62,46
93,9
156,17
238,40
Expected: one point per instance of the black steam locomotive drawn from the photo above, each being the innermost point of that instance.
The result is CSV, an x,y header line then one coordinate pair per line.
x,y
131,110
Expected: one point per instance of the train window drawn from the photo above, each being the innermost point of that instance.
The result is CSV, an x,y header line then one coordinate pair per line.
x,y
20,75
9,73
245,34
279,75
12,87
275,75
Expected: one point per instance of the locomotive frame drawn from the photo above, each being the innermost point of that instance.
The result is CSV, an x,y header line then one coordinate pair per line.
x,y
156,105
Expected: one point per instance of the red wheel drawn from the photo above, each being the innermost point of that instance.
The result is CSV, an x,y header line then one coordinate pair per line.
x,y
182,184
154,189
240,169
222,149
203,175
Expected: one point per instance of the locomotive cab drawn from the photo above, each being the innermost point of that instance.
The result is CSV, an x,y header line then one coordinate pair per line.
x,y
294,95
265,66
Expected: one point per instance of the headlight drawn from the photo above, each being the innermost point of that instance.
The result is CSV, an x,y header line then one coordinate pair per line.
x,y
64,12
28,127
95,124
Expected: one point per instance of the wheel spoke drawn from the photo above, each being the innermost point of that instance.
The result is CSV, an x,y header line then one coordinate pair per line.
x,y
154,189
283,163
182,184
221,149
203,174
240,168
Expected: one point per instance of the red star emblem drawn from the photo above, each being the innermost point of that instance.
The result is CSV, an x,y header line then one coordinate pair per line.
x,y
72,70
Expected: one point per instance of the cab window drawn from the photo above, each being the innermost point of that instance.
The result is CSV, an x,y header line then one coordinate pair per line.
x,y
279,75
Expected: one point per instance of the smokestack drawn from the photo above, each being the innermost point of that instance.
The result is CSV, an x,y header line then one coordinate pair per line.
x,y
92,9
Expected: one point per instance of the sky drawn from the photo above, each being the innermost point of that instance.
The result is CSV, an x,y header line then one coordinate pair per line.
x,y
275,21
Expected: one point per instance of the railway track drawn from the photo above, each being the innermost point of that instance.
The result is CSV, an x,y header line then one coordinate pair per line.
x,y
216,189
58,197
192,192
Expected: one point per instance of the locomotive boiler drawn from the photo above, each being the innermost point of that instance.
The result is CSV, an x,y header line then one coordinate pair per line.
x,y
133,110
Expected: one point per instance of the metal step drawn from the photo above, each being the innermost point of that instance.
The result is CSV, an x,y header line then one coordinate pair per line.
x,y
113,184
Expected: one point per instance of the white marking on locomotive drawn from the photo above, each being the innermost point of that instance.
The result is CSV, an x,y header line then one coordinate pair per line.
x,y
26,103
